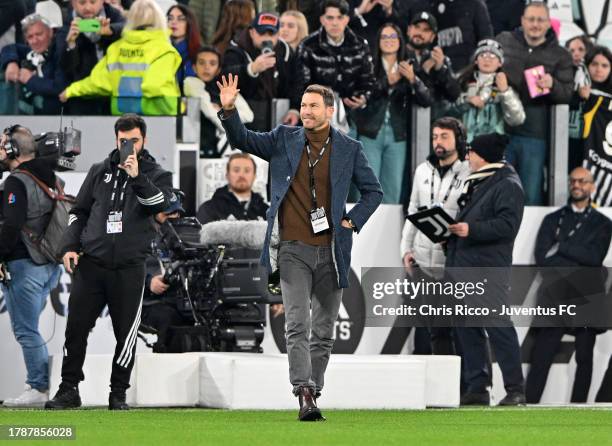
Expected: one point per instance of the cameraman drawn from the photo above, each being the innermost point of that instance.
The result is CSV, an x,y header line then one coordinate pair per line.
x,y
107,240
430,63
32,276
159,309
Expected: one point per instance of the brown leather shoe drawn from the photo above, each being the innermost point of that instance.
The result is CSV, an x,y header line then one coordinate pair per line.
x,y
308,406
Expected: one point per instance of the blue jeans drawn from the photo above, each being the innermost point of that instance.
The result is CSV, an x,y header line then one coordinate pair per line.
x,y
387,158
528,156
25,296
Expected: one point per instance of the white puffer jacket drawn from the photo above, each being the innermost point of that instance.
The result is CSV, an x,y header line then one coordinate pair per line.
x,y
427,253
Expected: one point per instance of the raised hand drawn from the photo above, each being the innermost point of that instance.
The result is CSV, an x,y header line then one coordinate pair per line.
x,y
228,91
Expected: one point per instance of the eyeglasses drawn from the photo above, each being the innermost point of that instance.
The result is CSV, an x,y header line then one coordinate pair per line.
x,y
540,20
389,36
178,18
580,181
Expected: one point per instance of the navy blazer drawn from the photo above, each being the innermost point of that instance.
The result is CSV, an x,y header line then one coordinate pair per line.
x,y
282,148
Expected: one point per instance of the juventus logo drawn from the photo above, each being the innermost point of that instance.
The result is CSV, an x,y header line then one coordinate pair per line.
x,y
107,177
438,223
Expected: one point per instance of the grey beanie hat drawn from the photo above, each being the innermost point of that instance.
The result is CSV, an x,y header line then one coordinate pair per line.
x,y
489,46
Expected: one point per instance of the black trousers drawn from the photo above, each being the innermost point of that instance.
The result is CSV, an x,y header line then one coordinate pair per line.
x,y
93,287
547,342
475,357
604,395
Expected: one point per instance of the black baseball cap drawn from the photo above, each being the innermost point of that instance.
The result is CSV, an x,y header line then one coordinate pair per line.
x,y
175,201
425,16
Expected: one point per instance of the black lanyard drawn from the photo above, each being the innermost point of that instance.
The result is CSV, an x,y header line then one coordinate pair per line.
x,y
311,167
581,220
448,192
119,205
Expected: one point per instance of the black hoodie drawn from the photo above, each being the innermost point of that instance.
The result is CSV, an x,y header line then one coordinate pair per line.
x,y
15,208
224,203
100,194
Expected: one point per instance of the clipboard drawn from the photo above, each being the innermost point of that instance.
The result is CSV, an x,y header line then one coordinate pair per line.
x,y
433,222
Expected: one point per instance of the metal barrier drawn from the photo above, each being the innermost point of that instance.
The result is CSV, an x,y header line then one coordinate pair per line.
x,y
420,136
190,125
559,152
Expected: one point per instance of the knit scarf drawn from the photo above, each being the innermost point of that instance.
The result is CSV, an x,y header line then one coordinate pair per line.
x,y
474,179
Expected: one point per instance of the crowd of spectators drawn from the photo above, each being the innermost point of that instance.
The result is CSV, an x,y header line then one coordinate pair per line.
x,y
472,59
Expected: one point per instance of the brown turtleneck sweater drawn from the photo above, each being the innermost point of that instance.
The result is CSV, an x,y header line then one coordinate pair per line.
x,y
295,209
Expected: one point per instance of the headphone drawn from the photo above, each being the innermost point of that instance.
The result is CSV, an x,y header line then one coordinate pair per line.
x,y
459,130
10,145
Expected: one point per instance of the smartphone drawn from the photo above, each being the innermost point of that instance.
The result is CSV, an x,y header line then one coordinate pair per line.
x,y
267,46
126,149
89,25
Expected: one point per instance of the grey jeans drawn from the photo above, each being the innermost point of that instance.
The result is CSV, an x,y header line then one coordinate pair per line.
x,y
311,297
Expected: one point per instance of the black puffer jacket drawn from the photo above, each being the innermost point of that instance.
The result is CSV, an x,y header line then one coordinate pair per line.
x,y
224,203
346,69
101,193
557,62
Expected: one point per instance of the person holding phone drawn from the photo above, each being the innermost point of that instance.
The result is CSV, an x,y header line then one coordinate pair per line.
x,y
535,45
95,25
105,246
487,102
138,71
266,66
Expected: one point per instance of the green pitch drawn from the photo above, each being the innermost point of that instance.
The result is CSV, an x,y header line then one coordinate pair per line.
x,y
470,427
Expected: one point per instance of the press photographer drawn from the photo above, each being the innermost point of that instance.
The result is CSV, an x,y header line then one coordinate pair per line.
x,y
27,275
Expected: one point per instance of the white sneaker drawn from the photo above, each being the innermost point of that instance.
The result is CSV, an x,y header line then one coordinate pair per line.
x,y
30,398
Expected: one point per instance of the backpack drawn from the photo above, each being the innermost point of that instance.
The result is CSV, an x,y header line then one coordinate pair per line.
x,y
48,243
